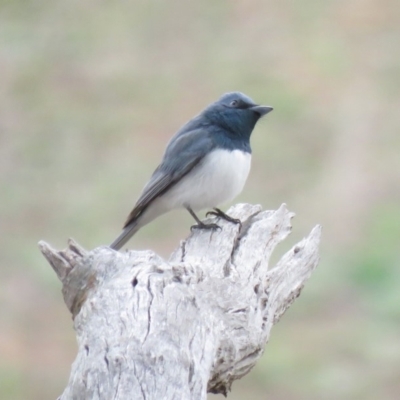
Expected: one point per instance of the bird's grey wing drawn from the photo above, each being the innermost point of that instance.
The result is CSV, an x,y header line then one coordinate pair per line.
x,y
181,156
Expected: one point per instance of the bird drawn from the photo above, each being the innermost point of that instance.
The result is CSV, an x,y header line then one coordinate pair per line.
x,y
205,164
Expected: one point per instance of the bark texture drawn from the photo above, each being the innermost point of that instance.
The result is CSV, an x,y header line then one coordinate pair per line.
x,y
154,329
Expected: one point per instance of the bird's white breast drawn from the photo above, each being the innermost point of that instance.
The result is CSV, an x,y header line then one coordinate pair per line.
x,y
218,178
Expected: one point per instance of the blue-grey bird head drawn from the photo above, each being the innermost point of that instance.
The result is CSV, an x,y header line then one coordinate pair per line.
x,y
237,113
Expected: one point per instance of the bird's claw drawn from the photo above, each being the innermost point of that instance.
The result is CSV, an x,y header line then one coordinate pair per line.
x,y
226,217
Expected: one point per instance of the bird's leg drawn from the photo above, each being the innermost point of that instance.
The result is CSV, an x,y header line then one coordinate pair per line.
x,y
200,225
218,213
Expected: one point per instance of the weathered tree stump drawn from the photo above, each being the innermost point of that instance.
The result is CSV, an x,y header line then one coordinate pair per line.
x,y
154,329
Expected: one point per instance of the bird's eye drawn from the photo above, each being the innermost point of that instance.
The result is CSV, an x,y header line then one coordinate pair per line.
x,y
234,103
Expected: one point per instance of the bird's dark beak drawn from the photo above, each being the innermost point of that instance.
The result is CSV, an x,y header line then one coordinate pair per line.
x,y
262,110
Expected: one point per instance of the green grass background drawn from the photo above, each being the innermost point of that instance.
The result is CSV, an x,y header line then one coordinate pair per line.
x,y
91,91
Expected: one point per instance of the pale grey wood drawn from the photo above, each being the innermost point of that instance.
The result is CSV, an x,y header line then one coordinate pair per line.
x,y
152,329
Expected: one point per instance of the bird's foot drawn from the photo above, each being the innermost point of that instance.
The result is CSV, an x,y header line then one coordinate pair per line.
x,y
218,213
202,225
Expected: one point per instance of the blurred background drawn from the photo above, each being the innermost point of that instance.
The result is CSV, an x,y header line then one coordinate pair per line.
x,y
90,93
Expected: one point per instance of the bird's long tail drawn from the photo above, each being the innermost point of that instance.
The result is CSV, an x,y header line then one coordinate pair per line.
x,y
125,235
